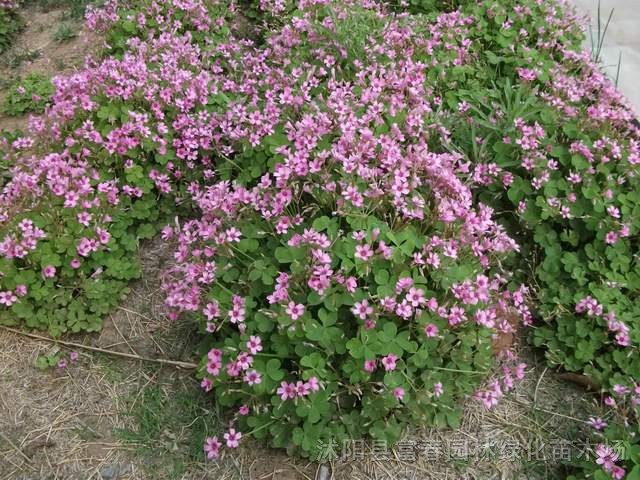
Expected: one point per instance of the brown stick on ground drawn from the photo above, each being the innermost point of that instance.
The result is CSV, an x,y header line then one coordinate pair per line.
x,y
581,380
174,363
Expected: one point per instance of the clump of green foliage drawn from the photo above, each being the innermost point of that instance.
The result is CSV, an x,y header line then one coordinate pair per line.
x,y
64,33
29,95
11,23
168,427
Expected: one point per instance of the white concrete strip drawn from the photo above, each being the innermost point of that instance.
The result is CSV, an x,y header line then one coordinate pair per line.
x,y
622,37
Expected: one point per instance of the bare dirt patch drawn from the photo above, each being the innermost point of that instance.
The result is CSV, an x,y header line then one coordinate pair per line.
x,y
36,50
55,424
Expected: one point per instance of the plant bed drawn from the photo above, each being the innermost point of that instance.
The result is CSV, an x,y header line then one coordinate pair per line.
x,y
362,203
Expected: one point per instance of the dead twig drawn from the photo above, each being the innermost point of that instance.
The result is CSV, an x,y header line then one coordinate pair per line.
x,y
162,361
535,392
12,445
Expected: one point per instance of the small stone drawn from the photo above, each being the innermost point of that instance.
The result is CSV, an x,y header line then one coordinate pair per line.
x,y
110,472
323,473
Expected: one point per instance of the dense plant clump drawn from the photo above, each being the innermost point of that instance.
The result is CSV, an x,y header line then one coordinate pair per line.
x,y
355,200
555,143
352,272
10,23
572,191
94,176
615,440
30,95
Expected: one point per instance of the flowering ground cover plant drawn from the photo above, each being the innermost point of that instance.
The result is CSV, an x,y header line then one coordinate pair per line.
x,y
573,191
346,273
31,94
350,197
555,144
616,444
10,23
94,176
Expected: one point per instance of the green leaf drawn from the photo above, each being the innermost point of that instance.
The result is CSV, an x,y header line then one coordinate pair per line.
x,y
579,162
322,223
382,277
273,370
518,190
146,231
283,255
634,474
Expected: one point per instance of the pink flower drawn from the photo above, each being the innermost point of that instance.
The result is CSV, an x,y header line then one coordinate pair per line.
x,y
213,367
294,310
362,309
212,447
254,344
389,362
243,410
527,74
415,297
237,312
313,384
8,298
62,363
623,339
605,456
206,384
49,271
403,284
621,389
75,263
73,356
437,389
214,354
350,284
432,304
485,317
431,330
86,246
252,378
490,396
617,472
244,360
388,304
302,388
404,310
211,310
370,366
625,231
398,392
385,250
84,218
613,211
597,423
21,290
233,369
232,438
103,235
286,391
363,252
233,235
167,232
